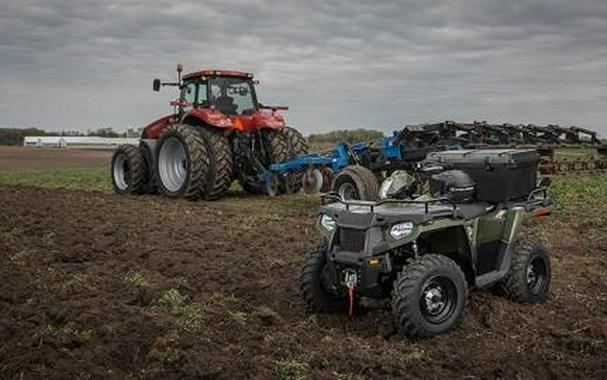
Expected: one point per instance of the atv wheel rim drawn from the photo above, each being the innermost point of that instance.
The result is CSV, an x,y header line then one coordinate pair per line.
x,y
348,191
172,164
438,299
121,172
536,275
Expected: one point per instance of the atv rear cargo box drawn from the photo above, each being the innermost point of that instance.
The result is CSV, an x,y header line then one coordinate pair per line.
x,y
501,175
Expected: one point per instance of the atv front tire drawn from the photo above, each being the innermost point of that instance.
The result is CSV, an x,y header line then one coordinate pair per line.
x,y
528,280
129,170
429,297
316,284
182,162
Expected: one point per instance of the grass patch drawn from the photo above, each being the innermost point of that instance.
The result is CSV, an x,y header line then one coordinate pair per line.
x,y
291,369
74,179
581,194
186,316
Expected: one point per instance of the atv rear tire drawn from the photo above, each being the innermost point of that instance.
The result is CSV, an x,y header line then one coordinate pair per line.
x,y
356,182
129,170
182,162
312,284
528,280
429,297
219,176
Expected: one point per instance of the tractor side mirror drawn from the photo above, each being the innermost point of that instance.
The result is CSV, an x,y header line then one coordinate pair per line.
x,y
156,85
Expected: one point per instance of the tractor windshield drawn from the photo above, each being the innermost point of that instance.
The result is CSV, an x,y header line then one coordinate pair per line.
x,y
233,96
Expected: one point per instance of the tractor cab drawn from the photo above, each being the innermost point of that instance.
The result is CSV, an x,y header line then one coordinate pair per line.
x,y
224,99
231,93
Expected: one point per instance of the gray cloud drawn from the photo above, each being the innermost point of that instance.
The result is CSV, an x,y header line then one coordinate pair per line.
x,y
78,64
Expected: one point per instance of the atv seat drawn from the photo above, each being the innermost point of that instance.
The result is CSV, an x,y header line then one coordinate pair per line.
x,y
472,210
464,211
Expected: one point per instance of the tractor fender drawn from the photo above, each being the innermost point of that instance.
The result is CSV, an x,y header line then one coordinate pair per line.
x,y
268,120
209,117
155,128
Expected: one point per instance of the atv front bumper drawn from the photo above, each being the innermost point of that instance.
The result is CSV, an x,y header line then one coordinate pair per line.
x,y
373,274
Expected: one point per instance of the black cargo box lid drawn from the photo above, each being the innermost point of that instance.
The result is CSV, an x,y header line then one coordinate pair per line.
x,y
488,157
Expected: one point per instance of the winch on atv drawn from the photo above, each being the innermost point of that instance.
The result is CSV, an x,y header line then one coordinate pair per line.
x,y
423,252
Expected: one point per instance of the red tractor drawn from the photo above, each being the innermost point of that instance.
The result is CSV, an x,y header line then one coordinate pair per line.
x,y
218,132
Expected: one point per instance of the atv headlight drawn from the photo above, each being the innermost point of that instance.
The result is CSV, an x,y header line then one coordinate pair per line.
x,y
327,222
400,230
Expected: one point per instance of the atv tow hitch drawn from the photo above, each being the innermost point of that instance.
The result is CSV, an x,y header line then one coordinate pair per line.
x,y
350,278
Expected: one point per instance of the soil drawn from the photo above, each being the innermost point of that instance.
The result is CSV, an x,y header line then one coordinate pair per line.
x,y
100,286
16,158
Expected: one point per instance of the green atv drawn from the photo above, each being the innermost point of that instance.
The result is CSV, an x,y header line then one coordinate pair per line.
x,y
424,251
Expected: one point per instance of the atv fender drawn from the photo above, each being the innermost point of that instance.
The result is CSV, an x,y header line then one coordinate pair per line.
x,y
513,220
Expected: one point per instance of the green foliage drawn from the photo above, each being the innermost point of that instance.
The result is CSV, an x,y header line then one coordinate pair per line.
x,y
74,179
291,369
327,140
580,194
186,316
136,279
14,136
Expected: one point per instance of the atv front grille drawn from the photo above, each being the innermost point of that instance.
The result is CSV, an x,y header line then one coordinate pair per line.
x,y
351,239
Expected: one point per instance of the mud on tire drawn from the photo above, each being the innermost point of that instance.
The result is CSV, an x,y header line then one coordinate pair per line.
x,y
314,293
429,297
129,170
528,280
182,162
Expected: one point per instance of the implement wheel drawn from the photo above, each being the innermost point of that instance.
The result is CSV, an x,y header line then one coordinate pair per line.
x,y
356,182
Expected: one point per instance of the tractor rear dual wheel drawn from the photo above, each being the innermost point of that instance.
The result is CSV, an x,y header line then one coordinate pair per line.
x,y
130,174
193,162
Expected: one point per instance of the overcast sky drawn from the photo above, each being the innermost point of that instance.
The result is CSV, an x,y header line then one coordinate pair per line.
x,y
80,64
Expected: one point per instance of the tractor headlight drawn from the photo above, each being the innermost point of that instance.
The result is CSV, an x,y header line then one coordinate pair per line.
x,y
400,230
327,222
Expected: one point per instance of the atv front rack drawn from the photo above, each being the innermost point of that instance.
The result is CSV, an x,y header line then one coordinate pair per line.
x,y
333,196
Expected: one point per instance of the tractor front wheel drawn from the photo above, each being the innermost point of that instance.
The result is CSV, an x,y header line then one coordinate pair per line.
x,y
129,170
